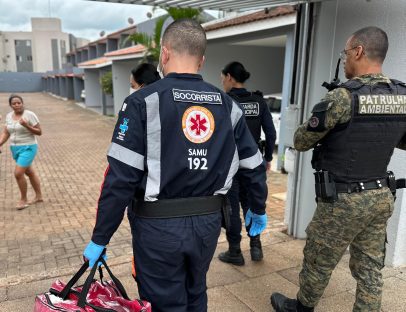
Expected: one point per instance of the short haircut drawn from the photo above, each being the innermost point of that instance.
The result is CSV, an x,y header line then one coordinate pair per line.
x,y
374,40
145,74
185,36
237,71
13,96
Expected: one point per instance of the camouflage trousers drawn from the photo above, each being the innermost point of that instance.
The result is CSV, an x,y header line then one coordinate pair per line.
x,y
357,220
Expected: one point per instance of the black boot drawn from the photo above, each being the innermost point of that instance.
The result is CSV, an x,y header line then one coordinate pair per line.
x,y
283,304
233,255
256,248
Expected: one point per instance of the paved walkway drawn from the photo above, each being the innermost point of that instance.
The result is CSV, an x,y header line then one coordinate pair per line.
x,y
45,241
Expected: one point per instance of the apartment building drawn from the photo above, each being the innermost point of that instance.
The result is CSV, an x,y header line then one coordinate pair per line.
x,y
43,48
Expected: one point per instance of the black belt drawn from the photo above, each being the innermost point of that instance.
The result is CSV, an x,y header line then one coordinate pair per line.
x,y
178,207
361,186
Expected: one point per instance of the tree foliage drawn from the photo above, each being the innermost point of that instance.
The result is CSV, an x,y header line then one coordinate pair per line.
x,y
178,13
153,43
106,82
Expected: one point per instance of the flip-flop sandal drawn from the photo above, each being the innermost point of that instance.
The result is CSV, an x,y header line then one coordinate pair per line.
x,y
35,201
22,207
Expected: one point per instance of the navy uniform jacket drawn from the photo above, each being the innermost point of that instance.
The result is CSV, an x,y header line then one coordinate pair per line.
x,y
178,137
257,114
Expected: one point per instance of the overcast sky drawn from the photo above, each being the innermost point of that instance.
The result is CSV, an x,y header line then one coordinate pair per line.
x,y
79,17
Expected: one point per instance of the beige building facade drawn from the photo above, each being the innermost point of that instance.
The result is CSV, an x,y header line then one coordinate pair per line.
x,y
42,49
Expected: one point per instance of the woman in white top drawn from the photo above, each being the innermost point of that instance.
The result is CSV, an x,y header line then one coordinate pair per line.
x,y
21,128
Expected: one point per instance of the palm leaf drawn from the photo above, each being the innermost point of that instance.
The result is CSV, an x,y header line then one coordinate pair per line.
x,y
178,13
153,43
141,38
145,40
158,29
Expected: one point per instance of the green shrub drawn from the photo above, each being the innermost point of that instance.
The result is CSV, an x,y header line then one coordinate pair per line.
x,y
106,82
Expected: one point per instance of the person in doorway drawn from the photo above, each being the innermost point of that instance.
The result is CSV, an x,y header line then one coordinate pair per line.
x,y
353,131
22,127
175,148
257,115
143,75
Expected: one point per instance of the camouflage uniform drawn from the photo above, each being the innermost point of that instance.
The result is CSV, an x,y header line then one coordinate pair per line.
x,y
357,220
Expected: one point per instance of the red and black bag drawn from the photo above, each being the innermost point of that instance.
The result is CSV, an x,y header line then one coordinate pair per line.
x,y
93,296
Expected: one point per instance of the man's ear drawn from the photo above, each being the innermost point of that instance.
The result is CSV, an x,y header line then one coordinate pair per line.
x,y
164,55
360,52
201,63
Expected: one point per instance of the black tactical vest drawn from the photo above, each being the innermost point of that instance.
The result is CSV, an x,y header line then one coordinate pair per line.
x,y
251,104
361,149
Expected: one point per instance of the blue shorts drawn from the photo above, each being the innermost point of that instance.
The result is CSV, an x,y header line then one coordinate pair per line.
x,y
24,154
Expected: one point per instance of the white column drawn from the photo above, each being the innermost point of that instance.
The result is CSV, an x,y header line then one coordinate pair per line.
x,y
121,81
93,90
396,247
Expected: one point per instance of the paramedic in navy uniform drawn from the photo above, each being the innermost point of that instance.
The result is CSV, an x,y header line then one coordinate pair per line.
x,y
175,149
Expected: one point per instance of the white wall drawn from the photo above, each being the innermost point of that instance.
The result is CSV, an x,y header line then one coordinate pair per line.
x,y
264,64
9,48
334,23
109,104
3,57
43,30
320,70
93,89
121,81
46,24
396,255
42,49
80,42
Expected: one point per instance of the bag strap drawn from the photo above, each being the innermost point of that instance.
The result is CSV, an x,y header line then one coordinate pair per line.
x,y
116,281
66,290
86,286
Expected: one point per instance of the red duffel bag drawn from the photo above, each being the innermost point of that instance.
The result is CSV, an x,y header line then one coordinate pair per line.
x,y
93,296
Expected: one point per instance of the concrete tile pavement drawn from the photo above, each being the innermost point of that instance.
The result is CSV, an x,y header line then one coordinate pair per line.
x,y
45,241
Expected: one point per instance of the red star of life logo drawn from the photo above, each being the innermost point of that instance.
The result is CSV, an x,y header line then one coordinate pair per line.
x,y
198,124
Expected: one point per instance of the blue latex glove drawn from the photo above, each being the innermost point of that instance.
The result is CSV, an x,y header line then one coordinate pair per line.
x,y
257,222
92,252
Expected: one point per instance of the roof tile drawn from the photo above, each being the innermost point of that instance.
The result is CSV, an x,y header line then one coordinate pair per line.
x,y
96,61
257,16
130,50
